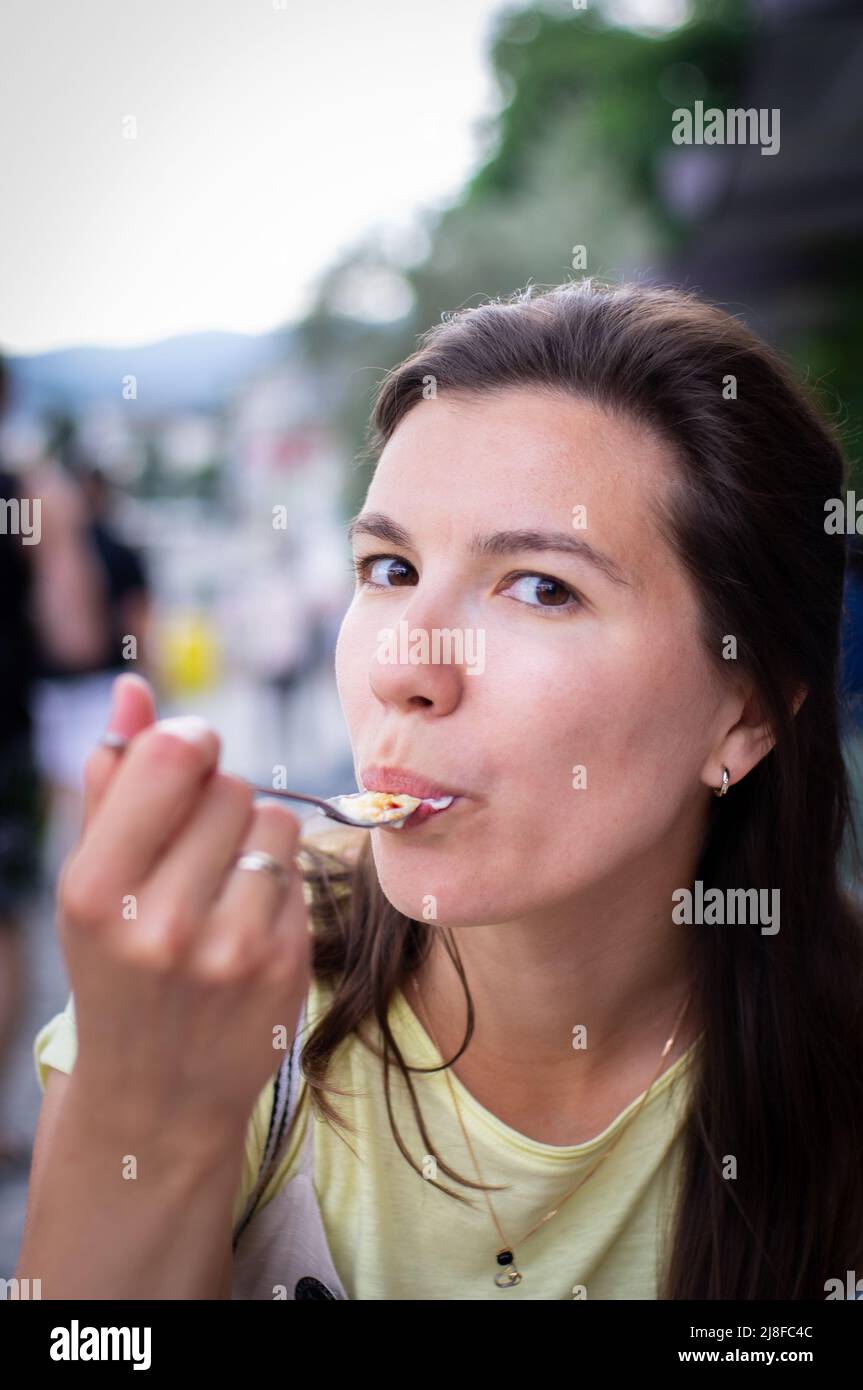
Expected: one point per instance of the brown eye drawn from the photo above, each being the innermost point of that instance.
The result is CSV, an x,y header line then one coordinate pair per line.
x,y
543,592
384,571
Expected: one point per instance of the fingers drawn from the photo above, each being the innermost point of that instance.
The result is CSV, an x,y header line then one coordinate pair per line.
x,y
153,789
133,708
250,905
192,870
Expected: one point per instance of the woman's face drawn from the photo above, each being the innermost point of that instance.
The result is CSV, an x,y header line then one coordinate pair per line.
x,y
578,715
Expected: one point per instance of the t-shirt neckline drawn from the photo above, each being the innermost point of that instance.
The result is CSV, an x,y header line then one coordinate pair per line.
x,y
429,1054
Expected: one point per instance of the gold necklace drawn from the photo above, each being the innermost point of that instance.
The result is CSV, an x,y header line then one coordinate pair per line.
x,y
508,1276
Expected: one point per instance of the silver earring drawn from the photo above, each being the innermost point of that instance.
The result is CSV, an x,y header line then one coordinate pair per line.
x,y
720,791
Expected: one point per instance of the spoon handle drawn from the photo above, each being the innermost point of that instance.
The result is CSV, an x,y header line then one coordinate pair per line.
x,y
322,804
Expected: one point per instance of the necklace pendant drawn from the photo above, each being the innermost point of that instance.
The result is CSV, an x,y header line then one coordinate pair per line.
x,y
509,1275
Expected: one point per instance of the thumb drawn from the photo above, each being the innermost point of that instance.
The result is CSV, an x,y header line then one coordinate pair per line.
x,y
133,708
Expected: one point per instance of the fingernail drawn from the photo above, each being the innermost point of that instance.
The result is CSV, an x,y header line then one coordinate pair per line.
x,y
112,716
116,725
187,726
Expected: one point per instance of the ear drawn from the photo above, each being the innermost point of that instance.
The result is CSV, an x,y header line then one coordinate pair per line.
x,y
748,741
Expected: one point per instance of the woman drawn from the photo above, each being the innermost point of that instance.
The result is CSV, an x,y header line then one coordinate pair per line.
x,y
561,1073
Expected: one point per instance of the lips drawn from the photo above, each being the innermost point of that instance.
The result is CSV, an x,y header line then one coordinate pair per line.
x,y
426,810
398,779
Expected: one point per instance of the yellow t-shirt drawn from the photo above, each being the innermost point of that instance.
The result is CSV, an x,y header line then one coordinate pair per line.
x,y
393,1235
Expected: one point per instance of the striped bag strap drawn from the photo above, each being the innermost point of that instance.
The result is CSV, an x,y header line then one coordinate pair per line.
x,y
287,1086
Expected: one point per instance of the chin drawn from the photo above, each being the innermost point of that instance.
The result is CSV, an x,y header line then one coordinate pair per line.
x,y
442,894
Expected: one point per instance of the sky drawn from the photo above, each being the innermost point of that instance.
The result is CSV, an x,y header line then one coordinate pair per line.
x,y
174,166
267,140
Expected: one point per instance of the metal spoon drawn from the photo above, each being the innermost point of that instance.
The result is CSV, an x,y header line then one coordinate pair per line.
x,y
338,807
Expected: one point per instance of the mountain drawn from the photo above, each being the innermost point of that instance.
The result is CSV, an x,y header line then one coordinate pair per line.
x,y
194,371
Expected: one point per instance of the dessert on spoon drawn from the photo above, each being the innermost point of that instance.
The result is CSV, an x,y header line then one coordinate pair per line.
x,y
366,810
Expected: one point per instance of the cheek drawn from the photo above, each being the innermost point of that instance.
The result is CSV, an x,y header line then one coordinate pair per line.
x,y
592,756
545,710
661,715
534,729
351,659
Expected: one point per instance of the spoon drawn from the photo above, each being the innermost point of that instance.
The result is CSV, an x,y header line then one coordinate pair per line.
x,y
361,808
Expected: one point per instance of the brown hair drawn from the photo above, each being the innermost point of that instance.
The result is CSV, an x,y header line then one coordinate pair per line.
x,y
780,1075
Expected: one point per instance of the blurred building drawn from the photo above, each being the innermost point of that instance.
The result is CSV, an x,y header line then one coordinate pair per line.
x,y
779,235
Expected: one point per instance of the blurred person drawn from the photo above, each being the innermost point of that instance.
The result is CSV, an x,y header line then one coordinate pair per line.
x,y
20,802
126,580
267,617
580,492
73,694
49,602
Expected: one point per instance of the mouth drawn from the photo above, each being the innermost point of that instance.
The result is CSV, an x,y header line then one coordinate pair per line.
x,y
435,798
426,809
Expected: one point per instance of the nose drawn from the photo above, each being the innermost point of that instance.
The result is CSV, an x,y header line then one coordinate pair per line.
x,y
416,667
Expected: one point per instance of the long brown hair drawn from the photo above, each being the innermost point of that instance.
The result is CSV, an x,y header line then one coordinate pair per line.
x,y
780,1078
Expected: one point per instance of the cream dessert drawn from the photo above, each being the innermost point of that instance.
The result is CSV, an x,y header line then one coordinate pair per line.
x,y
380,807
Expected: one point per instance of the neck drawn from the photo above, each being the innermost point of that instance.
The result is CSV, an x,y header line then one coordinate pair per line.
x,y
605,973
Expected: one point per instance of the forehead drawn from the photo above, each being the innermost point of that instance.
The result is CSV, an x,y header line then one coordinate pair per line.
x,y
522,458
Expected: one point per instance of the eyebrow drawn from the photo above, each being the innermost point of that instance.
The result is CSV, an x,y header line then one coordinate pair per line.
x,y
496,542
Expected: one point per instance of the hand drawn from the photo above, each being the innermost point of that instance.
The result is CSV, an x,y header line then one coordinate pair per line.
x,y
181,965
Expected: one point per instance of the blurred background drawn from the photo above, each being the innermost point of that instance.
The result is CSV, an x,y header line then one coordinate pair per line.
x,y
223,223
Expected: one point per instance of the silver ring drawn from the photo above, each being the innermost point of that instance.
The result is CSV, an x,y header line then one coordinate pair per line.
x,y
117,741
720,791
259,861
